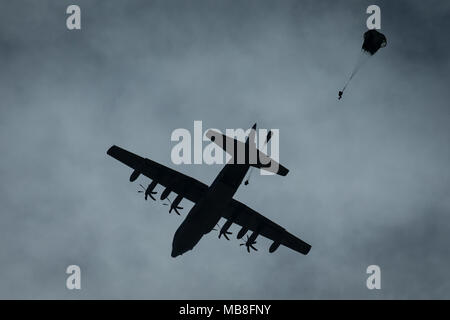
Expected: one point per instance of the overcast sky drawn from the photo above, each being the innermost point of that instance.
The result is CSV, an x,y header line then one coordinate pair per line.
x,y
368,182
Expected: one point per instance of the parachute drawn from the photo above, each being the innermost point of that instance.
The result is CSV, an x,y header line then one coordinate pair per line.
x,y
373,41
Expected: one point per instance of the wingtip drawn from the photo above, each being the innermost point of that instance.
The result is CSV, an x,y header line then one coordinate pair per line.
x,y
307,250
283,171
111,150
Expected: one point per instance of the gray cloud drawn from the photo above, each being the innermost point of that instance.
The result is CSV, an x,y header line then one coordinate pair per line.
x,y
368,181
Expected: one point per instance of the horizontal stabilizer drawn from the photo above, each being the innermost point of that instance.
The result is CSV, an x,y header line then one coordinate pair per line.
x,y
246,153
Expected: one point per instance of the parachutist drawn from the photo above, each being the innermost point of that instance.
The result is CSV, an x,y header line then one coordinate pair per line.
x,y
373,41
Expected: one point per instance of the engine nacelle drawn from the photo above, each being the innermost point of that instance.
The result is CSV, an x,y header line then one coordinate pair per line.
x,y
177,201
165,193
134,175
151,186
226,226
174,205
149,191
242,232
274,246
253,237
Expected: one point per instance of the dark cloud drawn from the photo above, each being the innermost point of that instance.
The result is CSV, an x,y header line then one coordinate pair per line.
x,y
368,181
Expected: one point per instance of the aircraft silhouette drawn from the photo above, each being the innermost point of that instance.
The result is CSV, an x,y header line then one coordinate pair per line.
x,y
216,201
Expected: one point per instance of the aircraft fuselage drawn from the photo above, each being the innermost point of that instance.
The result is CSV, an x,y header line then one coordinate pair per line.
x,y
206,213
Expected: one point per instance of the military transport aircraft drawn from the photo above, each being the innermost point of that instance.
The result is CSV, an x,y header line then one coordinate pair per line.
x,y
216,201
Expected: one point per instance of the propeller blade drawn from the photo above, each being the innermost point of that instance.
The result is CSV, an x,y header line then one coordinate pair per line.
x,y
247,243
172,207
225,234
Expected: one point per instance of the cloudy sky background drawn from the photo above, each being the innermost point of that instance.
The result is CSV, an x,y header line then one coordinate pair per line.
x,y
368,182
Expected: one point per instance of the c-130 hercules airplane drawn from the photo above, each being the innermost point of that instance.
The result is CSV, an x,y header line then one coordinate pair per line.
x,y
216,201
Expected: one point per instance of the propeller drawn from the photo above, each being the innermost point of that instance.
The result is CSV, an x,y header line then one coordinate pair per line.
x,y
249,244
223,233
147,193
172,207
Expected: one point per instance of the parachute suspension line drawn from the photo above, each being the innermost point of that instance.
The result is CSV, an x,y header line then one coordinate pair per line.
x,y
361,60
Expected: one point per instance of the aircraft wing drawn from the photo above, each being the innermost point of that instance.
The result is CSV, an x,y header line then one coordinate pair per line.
x,y
177,182
248,218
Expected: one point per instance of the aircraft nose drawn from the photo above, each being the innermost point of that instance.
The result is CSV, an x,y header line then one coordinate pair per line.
x,y
174,253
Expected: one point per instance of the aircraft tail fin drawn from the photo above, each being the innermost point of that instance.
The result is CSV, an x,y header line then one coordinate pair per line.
x,y
247,153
